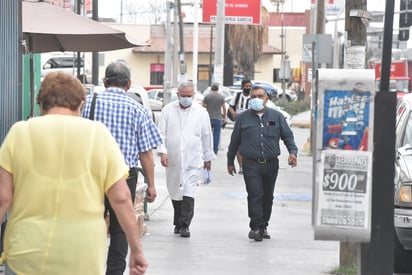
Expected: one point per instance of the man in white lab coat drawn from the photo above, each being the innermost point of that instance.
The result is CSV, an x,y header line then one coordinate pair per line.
x,y
186,150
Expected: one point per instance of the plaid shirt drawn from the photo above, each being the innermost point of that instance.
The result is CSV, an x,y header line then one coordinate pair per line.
x,y
128,121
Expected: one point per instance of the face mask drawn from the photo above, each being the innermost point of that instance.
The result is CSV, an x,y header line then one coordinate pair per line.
x,y
256,104
185,101
246,91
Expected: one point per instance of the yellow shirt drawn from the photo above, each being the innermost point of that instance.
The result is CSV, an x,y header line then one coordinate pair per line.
x,y
62,166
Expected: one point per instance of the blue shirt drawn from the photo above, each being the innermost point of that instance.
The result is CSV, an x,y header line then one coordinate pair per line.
x,y
128,121
258,137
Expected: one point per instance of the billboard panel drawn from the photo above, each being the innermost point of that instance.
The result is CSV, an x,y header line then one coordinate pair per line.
x,y
343,172
236,11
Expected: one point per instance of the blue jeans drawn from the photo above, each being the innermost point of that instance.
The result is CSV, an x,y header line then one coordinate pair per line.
x,y
260,181
216,127
116,257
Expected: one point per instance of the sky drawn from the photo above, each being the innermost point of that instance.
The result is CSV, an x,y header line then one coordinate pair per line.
x,y
111,8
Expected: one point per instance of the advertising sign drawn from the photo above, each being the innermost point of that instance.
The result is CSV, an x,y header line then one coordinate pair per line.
x,y
342,191
236,11
332,7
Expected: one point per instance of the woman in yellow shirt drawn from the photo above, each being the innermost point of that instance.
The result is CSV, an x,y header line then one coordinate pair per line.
x,y
54,172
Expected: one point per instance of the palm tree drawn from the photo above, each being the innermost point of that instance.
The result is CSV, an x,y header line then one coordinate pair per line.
x,y
246,44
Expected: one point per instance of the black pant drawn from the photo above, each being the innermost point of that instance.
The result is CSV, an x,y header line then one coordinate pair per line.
x,y
260,181
116,257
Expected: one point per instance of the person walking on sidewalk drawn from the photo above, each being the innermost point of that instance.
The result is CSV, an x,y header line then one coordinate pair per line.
x,y
54,172
215,104
239,104
256,135
135,132
187,149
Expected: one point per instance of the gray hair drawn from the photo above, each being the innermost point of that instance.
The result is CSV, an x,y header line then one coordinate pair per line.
x,y
117,74
185,84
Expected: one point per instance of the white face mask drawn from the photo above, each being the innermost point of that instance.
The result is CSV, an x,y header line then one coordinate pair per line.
x,y
185,101
256,104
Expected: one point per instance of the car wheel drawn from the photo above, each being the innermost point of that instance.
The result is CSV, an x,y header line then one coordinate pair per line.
x,y
402,258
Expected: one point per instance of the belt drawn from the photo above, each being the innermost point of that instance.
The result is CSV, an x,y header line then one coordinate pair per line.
x,y
261,160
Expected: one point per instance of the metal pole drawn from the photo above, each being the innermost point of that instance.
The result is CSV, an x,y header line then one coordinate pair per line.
x,y
195,42
175,46
220,42
282,50
167,77
377,255
211,55
95,55
182,67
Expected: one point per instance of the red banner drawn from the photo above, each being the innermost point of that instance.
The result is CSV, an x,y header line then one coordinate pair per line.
x,y
236,11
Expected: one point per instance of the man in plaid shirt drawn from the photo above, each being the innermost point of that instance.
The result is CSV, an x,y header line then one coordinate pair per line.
x,y
135,132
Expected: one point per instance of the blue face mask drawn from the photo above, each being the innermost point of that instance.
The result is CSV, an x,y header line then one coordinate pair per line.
x,y
185,101
256,104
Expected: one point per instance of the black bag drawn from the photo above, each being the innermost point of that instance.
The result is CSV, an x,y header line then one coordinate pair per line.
x,y
230,116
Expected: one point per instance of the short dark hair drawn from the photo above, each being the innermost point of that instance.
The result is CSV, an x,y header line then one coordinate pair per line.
x,y
117,74
245,81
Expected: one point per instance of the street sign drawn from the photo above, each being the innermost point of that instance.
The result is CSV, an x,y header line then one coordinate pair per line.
x,y
323,41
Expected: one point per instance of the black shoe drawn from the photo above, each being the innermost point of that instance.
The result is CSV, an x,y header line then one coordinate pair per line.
x,y
177,230
266,235
256,235
184,232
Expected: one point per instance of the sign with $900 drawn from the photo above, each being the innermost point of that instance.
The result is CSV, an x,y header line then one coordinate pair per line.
x,y
344,180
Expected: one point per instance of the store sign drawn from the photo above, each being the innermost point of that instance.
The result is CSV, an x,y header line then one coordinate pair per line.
x,y
236,12
332,7
343,187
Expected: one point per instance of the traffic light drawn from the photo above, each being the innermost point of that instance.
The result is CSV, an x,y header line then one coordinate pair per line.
x,y
405,19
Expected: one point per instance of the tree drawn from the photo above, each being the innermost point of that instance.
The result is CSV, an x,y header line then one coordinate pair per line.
x,y
149,12
246,44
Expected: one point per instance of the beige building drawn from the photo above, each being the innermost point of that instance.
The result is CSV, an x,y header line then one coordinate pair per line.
x,y
147,63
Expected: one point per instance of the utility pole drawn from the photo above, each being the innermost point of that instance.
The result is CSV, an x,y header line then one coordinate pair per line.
x,y
167,76
195,42
356,31
95,55
377,255
182,67
220,40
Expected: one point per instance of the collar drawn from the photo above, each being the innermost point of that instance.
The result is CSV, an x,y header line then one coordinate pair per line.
x,y
115,90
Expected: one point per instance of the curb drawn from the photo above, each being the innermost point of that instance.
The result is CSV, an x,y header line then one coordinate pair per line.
x,y
300,124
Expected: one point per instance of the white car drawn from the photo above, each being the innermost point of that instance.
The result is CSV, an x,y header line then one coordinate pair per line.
x,y
64,62
156,98
138,93
289,94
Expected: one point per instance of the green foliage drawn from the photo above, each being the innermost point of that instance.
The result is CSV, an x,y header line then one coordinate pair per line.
x,y
295,107
344,270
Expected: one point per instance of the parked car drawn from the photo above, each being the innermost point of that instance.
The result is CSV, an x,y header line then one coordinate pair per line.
x,y
403,187
156,98
64,62
269,104
274,90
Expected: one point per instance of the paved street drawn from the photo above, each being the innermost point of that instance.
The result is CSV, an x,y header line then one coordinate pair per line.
x,y
219,242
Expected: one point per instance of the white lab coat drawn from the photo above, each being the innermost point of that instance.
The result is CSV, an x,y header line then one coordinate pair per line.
x,y
188,143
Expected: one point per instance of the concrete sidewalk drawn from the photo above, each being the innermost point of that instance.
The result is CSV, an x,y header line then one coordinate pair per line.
x,y
219,243
301,120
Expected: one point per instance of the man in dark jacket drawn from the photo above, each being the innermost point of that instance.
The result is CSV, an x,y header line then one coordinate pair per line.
x,y
256,135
